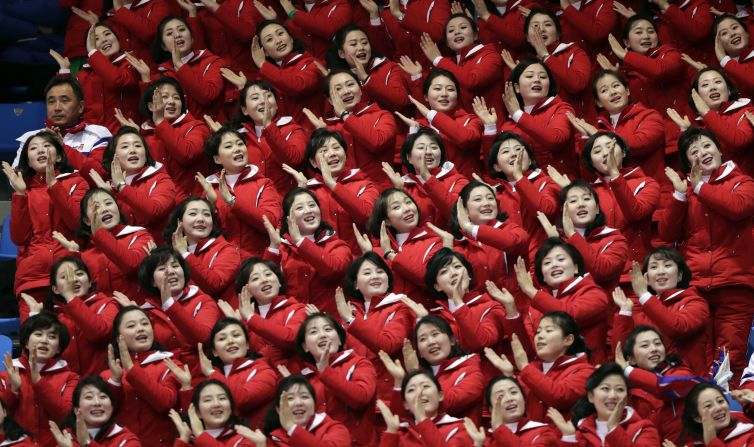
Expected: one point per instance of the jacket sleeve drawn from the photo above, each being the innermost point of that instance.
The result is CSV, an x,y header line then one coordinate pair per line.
x,y
330,260
85,164
673,220
161,393
126,256
622,326
646,436
195,323
480,330
239,20
594,28
144,27
430,21
430,435
692,24
668,66
602,261
21,230
280,335
735,203
740,73
559,128
288,143
506,28
571,70
636,205
561,392
266,202
56,400
466,133
509,237
338,15
504,437
647,136
337,435
681,322
485,70
359,205
444,194
466,391
216,278
585,310
150,206
185,147
203,82
390,91
123,76
67,199
388,338
356,392
411,265
544,198
96,322
291,80
375,135
735,136
254,391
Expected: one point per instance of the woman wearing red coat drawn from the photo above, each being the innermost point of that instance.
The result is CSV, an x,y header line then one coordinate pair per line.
x,y
424,400
707,419
45,199
431,180
406,244
213,261
712,214
87,315
461,131
242,195
136,23
673,307
272,140
141,381
175,139
94,404
559,266
109,81
660,381
531,101
344,381
38,386
369,130
309,252
735,54
376,320
198,71
271,317
602,418
283,63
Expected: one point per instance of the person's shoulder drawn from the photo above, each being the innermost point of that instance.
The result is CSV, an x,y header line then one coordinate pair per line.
x,y
97,130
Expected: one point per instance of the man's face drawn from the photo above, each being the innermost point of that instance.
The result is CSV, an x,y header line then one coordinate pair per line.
x,y
63,108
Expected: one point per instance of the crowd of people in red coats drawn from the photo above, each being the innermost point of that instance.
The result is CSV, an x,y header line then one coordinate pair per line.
x,y
419,223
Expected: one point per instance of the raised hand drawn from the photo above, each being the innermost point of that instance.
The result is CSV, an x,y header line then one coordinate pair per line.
x,y
158,107
510,99
638,279
622,301
394,177
365,244
181,427
502,296
464,222
293,230
65,242
197,427
272,232
344,308
179,242
63,62
523,277
370,6
62,438
550,229
413,68
256,436
679,185
385,244
245,304
123,121
392,421
696,65
623,10
267,12
418,309
429,47
34,306
447,238
141,67
300,178
420,107
410,359
89,16
410,122
568,228
188,6
393,367
619,357
565,427
618,50
500,362
486,114
228,310
605,63
126,362
16,179
476,433
316,121
182,374
50,176
116,370
122,299
324,359
14,376
508,59
617,414
213,125
699,103
519,353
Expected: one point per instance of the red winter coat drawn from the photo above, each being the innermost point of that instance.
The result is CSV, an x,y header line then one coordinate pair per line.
x,y
116,436
560,387
202,82
572,70
477,323
628,202
283,141
321,430
715,225
114,256
687,25
382,328
605,252
89,320
657,78
681,316
146,394
442,430
346,389
733,132
477,69
36,404
256,197
386,84
462,134
528,433
77,28
316,27
313,269
34,216
26,441
587,303
350,201
506,28
644,131
555,146
436,196
214,264
297,80
739,434
462,384
227,438
589,25
740,70
109,84
632,431
410,261
136,26
179,146
274,334
147,199
419,16
252,383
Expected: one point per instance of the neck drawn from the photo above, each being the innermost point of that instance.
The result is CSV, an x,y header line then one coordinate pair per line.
x,y
234,169
192,240
263,300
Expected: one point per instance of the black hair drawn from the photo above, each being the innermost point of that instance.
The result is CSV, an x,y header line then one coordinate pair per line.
x,y
116,328
603,74
350,279
495,151
418,372
180,210
85,229
109,155
212,144
148,95
11,429
583,407
408,146
240,117
495,380
691,427
599,218
244,273
519,69
673,255
443,326
317,140
472,22
157,257
79,264
233,418
160,54
636,18
301,334
544,11
440,260
297,45
328,78
221,324
23,159
733,93
568,326
379,211
436,73
65,80
43,321
465,195
290,196
272,417
550,244
726,15
586,153
689,137
101,386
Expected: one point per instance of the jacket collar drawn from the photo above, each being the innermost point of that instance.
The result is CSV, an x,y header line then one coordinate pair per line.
x,y
291,58
53,365
729,107
454,363
387,300
125,230
569,286
470,51
248,173
439,172
543,104
152,357
724,170
204,244
559,47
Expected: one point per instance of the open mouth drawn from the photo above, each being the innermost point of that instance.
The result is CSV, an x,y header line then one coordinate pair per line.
x,y
361,55
347,98
487,211
107,217
582,214
298,412
511,407
107,47
459,40
735,40
239,157
611,404
646,43
715,96
42,159
199,228
707,160
310,219
323,343
266,288
615,99
171,109
77,288
655,358
231,349
97,413
281,48
133,159
536,88
180,42
173,281
556,273
434,350
444,102
540,345
719,416
141,338
375,284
